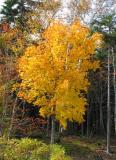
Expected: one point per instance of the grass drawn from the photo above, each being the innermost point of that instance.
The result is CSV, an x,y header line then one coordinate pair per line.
x,y
78,148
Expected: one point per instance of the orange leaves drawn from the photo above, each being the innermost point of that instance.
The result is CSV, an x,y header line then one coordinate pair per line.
x,y
97,39
5,27
54,73
14,39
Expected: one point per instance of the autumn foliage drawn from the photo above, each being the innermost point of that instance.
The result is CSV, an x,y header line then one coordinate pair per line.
x,y
54,73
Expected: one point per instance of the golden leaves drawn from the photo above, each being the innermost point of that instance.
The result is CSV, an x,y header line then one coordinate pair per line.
x,y
54,73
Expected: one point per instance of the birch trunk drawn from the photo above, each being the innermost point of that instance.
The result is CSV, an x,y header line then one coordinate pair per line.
x,y
114,83
48,125
108,106
53,130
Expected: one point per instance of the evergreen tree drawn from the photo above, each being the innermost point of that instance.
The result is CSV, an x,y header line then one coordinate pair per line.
x,y
10,10
16,9
107,26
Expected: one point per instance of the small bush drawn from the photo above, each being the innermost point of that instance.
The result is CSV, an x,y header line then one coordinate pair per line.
x,y
58,153
28,149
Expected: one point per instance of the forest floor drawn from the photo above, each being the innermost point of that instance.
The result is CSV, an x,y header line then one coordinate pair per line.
x,y
88,148
78,148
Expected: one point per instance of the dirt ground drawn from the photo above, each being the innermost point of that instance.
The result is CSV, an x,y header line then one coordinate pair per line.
x,y
89,148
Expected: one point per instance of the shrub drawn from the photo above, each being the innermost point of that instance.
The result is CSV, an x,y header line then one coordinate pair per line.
x,y
28,149
58,153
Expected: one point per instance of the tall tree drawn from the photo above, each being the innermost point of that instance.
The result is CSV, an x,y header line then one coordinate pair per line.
x,y
106,25
87,10
79,9
54,74
14,42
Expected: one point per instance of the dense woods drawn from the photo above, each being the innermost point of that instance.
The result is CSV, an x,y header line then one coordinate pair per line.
x,y
58,80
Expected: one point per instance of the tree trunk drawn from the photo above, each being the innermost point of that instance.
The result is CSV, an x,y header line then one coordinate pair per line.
x,y
114,83
96,119
48,125
82,129
12,118
108,106
53,130
88,114
88,127
60,130
4,101
102,128
23,112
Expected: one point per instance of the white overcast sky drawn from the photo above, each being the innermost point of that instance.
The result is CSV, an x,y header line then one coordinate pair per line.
x,y
1,3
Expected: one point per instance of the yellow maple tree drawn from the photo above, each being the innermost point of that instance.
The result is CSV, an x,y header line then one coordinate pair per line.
x,y
54,72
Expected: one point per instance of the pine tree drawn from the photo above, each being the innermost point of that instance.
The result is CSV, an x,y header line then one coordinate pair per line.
x,y
10,10
13,10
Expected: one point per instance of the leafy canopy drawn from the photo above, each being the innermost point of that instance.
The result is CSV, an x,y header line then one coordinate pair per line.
x,y
54,72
